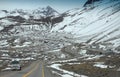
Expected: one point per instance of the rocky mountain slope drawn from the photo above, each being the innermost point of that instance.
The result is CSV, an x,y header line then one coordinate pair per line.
x,y
96,22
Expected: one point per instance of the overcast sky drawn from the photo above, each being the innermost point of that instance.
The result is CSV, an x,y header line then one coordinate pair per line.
x,y
59,5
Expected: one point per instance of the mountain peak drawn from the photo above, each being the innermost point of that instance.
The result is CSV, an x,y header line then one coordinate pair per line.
x,y
46,11
49,7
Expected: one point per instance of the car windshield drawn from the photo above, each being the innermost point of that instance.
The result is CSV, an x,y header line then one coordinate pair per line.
x,y
14,62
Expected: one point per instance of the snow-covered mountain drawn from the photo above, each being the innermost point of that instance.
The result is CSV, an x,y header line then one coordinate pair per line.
x,y
97,22
24,28
40,16
48,11
35,13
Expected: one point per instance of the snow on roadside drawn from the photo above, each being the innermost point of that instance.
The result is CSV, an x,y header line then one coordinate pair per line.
x,y
7,69
93,57
64,61
66,73
102,65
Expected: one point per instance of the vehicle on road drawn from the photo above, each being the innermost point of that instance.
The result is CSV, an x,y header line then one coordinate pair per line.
x,y
15,65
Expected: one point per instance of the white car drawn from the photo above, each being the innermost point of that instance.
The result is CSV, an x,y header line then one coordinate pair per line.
x,y
15,65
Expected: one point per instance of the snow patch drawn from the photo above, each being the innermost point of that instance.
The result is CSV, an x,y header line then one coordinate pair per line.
x,y
66,73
